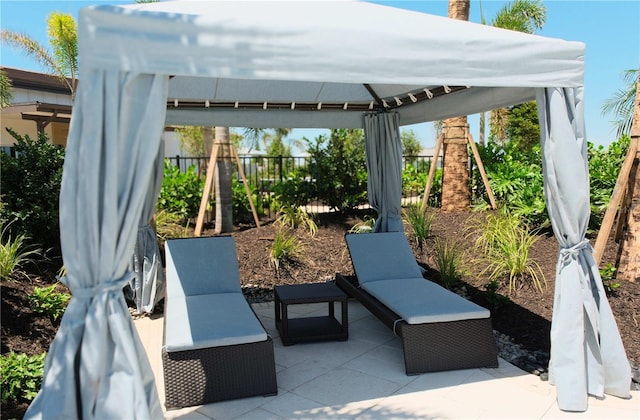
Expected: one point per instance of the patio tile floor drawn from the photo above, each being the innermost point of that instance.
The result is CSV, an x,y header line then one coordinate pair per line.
x,y
363,378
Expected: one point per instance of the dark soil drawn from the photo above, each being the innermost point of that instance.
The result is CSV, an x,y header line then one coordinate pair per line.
x,y
525,316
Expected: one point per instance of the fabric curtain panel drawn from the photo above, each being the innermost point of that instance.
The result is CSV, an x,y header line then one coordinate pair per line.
x,y
97,367
587,355
384,167
148,283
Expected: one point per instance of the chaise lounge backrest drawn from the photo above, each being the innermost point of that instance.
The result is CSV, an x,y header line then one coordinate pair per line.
x,y
382,256
203,266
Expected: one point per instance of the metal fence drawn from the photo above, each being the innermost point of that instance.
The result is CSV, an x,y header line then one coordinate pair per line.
x,y
264,172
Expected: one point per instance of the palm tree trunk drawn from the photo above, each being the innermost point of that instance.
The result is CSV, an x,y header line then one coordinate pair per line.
x,y
224,169
455,172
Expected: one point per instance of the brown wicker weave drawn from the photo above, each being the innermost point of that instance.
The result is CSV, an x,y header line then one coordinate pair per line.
x,y
434,346
202,376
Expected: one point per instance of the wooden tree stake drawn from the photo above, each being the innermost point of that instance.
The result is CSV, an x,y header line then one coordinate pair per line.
x,y
208,185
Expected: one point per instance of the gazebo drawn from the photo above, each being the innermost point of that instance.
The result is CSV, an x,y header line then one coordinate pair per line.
x,y
344,64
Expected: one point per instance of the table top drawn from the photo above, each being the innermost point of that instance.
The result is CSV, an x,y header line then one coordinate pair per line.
x,y
309,292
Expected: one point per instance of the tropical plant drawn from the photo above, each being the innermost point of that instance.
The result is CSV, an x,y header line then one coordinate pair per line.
x,y
241,207
6,90
170,225
505,242
30,185
15,253
604,167
620,104
20,376
364,226
294,191
420,222
286,249
223,182
411,146
192,140
449,261
180,192
62,59
45,300
516,180
608,276
523,128
495,299
338,166
294,217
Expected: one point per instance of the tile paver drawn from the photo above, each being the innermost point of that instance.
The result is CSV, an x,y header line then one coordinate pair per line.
x,y
363,378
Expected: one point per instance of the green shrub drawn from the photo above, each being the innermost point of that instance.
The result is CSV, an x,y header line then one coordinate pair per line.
x,y
295,191
339,169
295,217
20,376
15,253
240,202
505,241
449,262
286,249
47,301
181,192
516,180
608,276
495,299
604,167
420,222
30,188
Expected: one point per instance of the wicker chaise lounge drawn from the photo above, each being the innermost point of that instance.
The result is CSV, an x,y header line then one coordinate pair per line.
x,y
215,348
439,329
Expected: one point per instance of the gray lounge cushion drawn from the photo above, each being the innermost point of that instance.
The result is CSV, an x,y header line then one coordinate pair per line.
x,y
382,256
202,321
420,301
199,266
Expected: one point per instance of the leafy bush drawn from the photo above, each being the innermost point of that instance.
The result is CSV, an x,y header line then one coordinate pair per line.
x,y
181,192
495,299
420,222
295,191
31,189
15,253
608,276
505,241
339,169
46,300
604,167
21,376
516,180
240,202
449,262
294,217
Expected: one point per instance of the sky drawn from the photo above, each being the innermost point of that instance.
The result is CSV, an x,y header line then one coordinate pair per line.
x,y
610,30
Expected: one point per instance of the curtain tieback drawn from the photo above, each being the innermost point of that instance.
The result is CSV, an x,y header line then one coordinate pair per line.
x,y
102,287
568,253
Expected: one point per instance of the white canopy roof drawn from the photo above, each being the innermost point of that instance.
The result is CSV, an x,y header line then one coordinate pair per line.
x,y
320,59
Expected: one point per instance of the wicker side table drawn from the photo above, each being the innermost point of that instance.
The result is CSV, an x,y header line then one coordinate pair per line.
x,y
317,328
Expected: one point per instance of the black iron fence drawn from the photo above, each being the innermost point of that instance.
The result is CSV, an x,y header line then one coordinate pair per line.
x,y
263,173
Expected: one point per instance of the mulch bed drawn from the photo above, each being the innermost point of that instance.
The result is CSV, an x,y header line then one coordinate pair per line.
x,y
525,316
